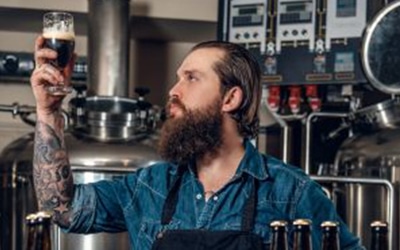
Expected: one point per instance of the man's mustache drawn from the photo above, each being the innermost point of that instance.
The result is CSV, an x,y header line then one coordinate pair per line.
x,y
175,101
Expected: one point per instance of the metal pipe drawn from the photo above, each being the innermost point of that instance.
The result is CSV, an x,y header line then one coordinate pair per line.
x,y
17,109
308,133
57,237
108,47
102,169
387,184
285,146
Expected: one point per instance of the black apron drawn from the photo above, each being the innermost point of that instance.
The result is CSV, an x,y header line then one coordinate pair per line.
x,y
198,239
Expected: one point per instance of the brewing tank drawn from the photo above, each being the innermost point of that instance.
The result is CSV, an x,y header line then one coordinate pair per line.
x,y
374,152
109,137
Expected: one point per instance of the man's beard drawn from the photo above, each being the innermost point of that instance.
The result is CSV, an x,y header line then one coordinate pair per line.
x,y
192,136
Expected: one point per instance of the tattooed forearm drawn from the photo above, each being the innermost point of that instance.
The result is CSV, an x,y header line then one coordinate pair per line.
x,y
51,171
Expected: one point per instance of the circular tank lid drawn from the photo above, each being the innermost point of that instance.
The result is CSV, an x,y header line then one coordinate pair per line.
x,y
381,50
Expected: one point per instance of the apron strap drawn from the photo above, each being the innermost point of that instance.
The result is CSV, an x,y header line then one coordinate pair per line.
x,y
172,199
250,207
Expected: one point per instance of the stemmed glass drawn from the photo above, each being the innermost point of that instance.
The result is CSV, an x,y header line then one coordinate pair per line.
x,y
59,35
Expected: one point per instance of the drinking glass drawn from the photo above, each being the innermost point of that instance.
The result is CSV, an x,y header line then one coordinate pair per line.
x,y
59,35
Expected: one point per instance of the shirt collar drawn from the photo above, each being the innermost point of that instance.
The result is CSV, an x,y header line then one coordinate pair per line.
x,y
252,163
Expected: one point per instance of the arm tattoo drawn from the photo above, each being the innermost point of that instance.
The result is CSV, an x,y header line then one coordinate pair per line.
x,y
51,170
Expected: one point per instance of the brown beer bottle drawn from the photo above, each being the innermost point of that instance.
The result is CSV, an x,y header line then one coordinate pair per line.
x,y
379,235
43,239
330,238
279,235
302,235
31,225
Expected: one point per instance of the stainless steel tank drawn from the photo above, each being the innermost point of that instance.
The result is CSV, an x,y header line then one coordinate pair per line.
x,y
110,135
374,151
114,136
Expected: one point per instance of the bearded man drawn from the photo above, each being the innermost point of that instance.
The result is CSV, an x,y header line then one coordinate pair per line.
x,y
214,190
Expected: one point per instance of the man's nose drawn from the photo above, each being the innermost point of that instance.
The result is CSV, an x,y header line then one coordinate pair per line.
x,y
175,92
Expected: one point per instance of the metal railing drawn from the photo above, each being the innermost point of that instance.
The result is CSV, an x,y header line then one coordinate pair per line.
x,y
390,196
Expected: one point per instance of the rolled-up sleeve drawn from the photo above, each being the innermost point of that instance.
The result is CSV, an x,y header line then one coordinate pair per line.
x,y
98,207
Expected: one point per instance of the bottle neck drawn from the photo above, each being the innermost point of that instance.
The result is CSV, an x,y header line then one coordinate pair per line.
x,y
279,239
302,239
330,240
43,239
30,245
379,241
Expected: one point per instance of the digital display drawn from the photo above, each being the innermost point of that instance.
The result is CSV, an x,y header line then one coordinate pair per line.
x,y
346,8
247,11
295,7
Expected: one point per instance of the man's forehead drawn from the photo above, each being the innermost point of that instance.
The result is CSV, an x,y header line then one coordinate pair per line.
x,y
200,60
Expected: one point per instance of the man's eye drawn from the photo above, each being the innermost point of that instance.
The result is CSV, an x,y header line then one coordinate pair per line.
x,y
191,78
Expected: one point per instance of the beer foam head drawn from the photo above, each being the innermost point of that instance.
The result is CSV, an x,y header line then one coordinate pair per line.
x,y
59,25
58,34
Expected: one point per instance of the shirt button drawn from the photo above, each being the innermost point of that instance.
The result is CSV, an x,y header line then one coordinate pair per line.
x,y
199,196
215,198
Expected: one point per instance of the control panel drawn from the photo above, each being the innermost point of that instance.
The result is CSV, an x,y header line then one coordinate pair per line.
x,y
295,23
300,42
18,66
344,19
248,23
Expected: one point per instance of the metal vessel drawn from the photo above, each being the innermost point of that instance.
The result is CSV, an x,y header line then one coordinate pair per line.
x,y
90,160
374,151
373,154
108,137
107,134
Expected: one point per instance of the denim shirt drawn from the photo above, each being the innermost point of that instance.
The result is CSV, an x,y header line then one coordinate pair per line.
x,y
134,203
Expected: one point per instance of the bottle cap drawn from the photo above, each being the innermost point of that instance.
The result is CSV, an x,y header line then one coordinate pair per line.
x,y
379,223
31,218
278,223
43,215
302,222
329,224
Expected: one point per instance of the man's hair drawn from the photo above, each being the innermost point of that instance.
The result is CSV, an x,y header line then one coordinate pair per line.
x,y
239,68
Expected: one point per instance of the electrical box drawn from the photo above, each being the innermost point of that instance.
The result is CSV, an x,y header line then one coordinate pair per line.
x,y
300,42
248,22
295,24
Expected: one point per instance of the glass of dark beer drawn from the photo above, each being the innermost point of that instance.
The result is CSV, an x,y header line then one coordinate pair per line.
x,y
59,35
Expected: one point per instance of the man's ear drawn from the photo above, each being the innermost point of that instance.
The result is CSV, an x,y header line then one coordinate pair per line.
x,y
232,99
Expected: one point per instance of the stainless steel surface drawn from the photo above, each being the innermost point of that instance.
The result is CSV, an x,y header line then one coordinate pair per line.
x,y
309,131
110,135
112,118
16,195
370,155
286,146
380,55
95,158
93,241
390,198
17,109
379,116
374,151
108,47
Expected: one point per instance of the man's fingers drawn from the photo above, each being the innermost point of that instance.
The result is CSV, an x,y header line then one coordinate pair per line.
x,y
50,79
48,73
39,43
41,78
43,55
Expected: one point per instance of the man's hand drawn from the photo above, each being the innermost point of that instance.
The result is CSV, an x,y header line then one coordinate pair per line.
x,y
45,74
